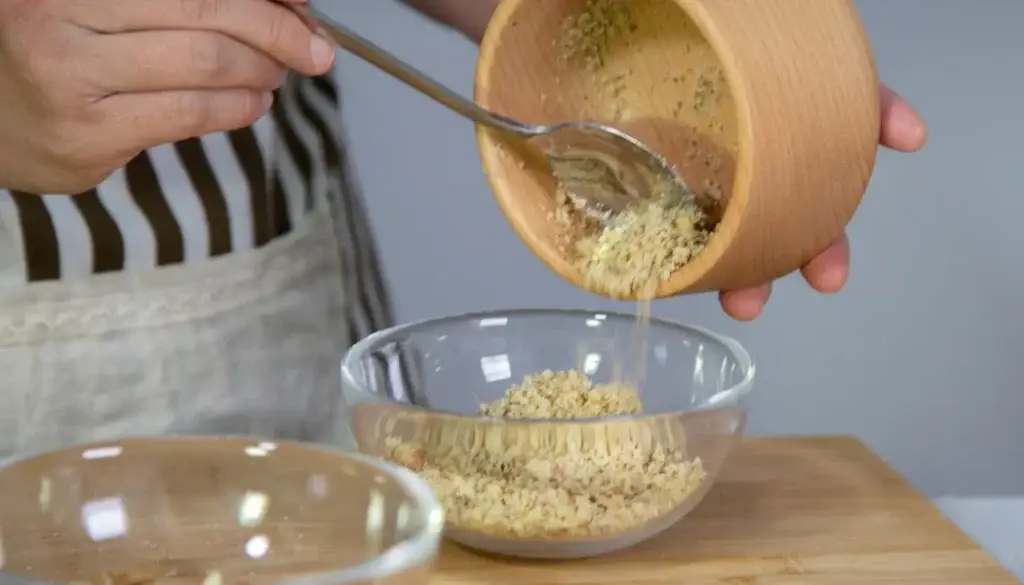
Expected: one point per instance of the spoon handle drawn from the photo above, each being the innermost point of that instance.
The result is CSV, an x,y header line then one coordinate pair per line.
x,y
392,65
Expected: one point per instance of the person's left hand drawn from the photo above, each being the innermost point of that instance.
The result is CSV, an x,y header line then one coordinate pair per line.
x,y
902,130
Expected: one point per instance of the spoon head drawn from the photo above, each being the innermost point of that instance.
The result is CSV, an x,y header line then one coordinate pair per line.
x,y
608,168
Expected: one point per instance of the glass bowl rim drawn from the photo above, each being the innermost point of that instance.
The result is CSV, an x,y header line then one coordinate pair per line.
x,y
401,556
727,398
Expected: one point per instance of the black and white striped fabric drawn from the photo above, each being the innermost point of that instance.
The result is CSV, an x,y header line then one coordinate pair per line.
x,y
215,195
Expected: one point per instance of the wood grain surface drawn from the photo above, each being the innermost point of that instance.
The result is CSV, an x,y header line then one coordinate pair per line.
x,y
776,103
817,510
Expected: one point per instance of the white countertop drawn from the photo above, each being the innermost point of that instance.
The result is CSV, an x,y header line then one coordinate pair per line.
x,y
997,524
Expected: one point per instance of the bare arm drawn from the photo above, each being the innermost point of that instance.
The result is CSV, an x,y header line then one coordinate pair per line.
x,y
469,16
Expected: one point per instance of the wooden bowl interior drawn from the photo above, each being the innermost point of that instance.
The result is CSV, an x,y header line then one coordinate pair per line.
x,y
654,75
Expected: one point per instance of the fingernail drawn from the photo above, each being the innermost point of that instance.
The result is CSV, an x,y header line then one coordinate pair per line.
x,y
919,131
833,280
913,127
322,52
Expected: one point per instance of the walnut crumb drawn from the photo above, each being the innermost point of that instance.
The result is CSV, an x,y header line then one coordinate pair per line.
x,y
558,480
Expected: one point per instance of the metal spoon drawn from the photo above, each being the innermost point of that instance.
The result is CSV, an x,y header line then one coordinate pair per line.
x,y
576,151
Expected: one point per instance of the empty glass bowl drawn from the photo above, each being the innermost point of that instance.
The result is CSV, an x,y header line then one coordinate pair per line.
x,y
214,511
414,393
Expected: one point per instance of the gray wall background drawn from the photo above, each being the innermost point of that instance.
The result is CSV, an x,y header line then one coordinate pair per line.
x,y
920,356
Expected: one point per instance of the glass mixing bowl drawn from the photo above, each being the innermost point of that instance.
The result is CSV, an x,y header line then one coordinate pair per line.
x,y
214,511
421,385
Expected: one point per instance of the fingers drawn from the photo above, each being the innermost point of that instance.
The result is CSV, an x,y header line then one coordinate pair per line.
x,y
902,127
188,59
270,27
171,116
745,304
829,271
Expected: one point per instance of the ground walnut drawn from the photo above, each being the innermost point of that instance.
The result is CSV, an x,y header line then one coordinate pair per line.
x,y
558,480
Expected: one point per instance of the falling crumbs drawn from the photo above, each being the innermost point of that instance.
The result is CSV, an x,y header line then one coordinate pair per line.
x,y
629,253
558,480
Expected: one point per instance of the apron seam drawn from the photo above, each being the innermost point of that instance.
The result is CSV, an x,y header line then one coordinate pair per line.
x,y
222,285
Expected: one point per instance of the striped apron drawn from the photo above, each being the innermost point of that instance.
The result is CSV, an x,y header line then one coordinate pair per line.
x,y
208,287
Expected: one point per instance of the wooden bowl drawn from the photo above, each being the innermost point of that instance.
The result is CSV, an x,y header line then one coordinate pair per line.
x,y
769,110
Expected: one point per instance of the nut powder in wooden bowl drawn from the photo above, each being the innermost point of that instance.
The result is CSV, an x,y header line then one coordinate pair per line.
x,y
630,253
564,481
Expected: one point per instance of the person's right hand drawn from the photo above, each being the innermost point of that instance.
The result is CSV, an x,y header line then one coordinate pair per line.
x,y
87,85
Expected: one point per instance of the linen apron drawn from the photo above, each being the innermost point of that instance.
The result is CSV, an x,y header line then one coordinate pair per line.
x,y
189,330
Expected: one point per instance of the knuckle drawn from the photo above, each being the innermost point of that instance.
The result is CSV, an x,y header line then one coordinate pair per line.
x,y
76,163
71,149
40,69
226,63
65,149
200,113
193,113
238,109
206,55
36,70
252,108
285,35
47,69
266,75
276,31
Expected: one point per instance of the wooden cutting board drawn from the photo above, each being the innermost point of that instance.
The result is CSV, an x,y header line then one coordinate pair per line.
x,y
821,510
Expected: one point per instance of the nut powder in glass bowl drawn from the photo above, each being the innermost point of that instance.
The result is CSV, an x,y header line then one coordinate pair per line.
x,y
163,575
578,481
